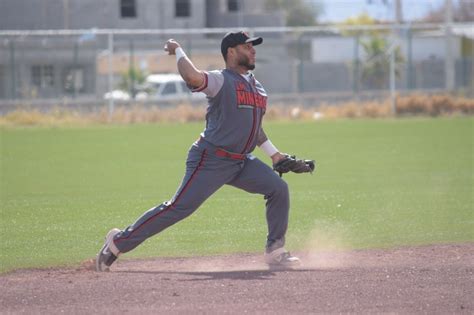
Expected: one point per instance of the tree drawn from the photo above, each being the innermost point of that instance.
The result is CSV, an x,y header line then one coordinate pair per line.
x,y
298,12
375,72
361,19
376,66
463,11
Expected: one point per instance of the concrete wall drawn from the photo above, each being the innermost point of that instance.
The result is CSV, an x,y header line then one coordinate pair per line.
x,y
236,20
85,14
251,13
151,14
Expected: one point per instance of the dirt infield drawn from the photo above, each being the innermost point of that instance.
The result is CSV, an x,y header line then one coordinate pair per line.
x,y
428,279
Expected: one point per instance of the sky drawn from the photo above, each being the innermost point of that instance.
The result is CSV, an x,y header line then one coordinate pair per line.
x,y
339,10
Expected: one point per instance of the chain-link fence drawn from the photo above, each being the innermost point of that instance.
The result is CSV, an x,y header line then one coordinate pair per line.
x,y
86,69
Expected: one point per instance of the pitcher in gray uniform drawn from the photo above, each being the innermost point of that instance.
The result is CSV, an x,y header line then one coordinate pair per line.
x,y
222,155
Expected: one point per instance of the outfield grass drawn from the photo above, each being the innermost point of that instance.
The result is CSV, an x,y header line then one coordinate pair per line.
x,y
379,183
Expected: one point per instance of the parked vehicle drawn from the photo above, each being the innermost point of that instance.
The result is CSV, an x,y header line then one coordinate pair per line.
x,y
162,87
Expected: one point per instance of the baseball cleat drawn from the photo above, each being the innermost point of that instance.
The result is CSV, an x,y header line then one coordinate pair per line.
x,y
105,258
280,257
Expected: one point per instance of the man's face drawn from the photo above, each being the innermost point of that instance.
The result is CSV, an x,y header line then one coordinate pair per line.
x,y
245,56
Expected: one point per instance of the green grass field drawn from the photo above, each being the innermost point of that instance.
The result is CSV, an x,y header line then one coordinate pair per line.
x,y
379,183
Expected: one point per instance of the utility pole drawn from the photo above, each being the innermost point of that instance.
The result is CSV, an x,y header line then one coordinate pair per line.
x,y
449,63
66,14
396,33
131,70
162,15
393,96
240,16
75,68
398,11
12,69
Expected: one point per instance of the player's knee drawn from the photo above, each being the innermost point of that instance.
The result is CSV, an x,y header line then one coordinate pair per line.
x,y
281,187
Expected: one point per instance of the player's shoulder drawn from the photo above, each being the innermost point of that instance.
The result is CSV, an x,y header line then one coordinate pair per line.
x,y
217,74
214,80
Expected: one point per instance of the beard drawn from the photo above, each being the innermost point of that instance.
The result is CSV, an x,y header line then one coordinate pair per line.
x,y
244,61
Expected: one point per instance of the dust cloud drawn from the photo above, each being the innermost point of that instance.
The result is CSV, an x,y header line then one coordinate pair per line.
x,y
327,247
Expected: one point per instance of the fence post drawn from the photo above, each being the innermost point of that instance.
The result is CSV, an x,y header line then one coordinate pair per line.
x,y
392,80
12,69
300,64
449,58
356,65
131,71
111,73
410,74
75,68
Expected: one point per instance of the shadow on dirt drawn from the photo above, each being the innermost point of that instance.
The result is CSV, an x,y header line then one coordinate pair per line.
x,y
220,275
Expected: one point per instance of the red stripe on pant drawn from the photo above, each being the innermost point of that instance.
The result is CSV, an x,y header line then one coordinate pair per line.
x,y
201,163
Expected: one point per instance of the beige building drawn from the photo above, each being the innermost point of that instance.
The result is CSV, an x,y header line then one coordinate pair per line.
x,y
77,65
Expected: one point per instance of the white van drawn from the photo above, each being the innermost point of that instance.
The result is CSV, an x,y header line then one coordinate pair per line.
x,y
169,87
162,87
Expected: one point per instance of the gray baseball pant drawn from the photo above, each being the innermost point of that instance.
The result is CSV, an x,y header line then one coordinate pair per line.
x,y
205,174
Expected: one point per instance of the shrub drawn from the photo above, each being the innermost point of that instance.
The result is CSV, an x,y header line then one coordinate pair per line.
x,y
427,105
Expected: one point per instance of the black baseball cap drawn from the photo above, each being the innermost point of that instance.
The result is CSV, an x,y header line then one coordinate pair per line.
x,y
233,39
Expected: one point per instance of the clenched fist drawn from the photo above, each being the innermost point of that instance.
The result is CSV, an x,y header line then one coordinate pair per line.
x,y
171,46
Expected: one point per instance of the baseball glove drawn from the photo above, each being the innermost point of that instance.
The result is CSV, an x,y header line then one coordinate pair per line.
x,y
293,164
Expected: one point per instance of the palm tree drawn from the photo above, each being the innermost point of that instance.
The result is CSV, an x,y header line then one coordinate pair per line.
x,y
375,72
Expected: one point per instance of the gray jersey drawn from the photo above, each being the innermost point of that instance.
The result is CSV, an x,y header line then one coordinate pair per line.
x,y
235,111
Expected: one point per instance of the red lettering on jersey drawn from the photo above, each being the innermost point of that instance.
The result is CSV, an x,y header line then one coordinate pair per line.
x,y
239,86
241,97
249,98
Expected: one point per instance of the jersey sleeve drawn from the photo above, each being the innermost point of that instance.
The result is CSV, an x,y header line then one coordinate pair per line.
x,y
213,82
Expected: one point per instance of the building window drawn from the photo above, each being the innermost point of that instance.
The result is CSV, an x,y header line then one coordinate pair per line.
x,y
128,9
74,80
232,5
42,76
182,8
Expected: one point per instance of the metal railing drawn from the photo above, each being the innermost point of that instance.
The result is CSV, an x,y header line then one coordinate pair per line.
x,y
322,63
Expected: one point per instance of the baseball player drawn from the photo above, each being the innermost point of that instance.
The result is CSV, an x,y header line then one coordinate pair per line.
x,y
222,154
